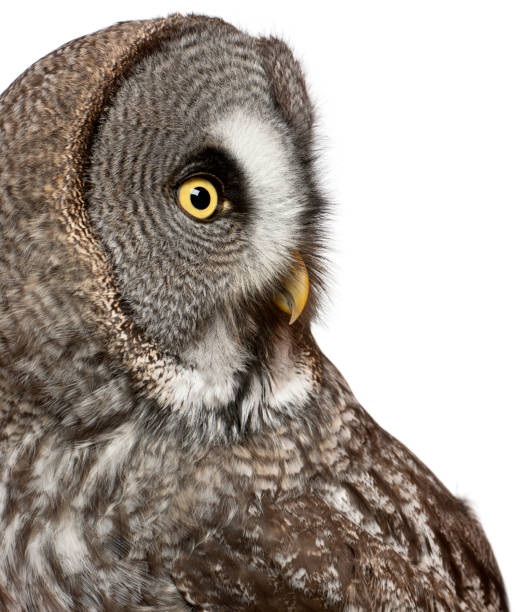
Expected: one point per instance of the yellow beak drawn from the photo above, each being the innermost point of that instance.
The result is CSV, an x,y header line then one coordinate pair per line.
x,y
293,295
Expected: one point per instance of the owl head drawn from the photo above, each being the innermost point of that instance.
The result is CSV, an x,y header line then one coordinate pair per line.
x,y
201,188
179,239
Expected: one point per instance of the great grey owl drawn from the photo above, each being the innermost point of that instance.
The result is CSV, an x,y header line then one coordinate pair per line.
x,y
171,436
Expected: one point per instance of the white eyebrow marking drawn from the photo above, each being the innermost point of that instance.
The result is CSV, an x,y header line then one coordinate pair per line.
x,y
275,182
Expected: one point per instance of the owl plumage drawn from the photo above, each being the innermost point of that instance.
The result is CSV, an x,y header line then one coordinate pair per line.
x,y
168,441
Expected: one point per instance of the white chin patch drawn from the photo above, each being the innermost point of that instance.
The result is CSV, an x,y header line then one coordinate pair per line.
x,y
207,381
275,185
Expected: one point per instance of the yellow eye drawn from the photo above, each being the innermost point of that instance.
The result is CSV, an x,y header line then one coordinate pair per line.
x,y
198,197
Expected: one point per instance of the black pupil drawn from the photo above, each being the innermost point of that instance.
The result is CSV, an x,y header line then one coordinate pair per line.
x,y
200,198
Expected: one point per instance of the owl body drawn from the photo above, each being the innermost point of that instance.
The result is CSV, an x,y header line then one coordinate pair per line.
x,y
168,440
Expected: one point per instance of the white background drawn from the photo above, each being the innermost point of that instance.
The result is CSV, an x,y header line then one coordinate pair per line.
x,y
420,125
